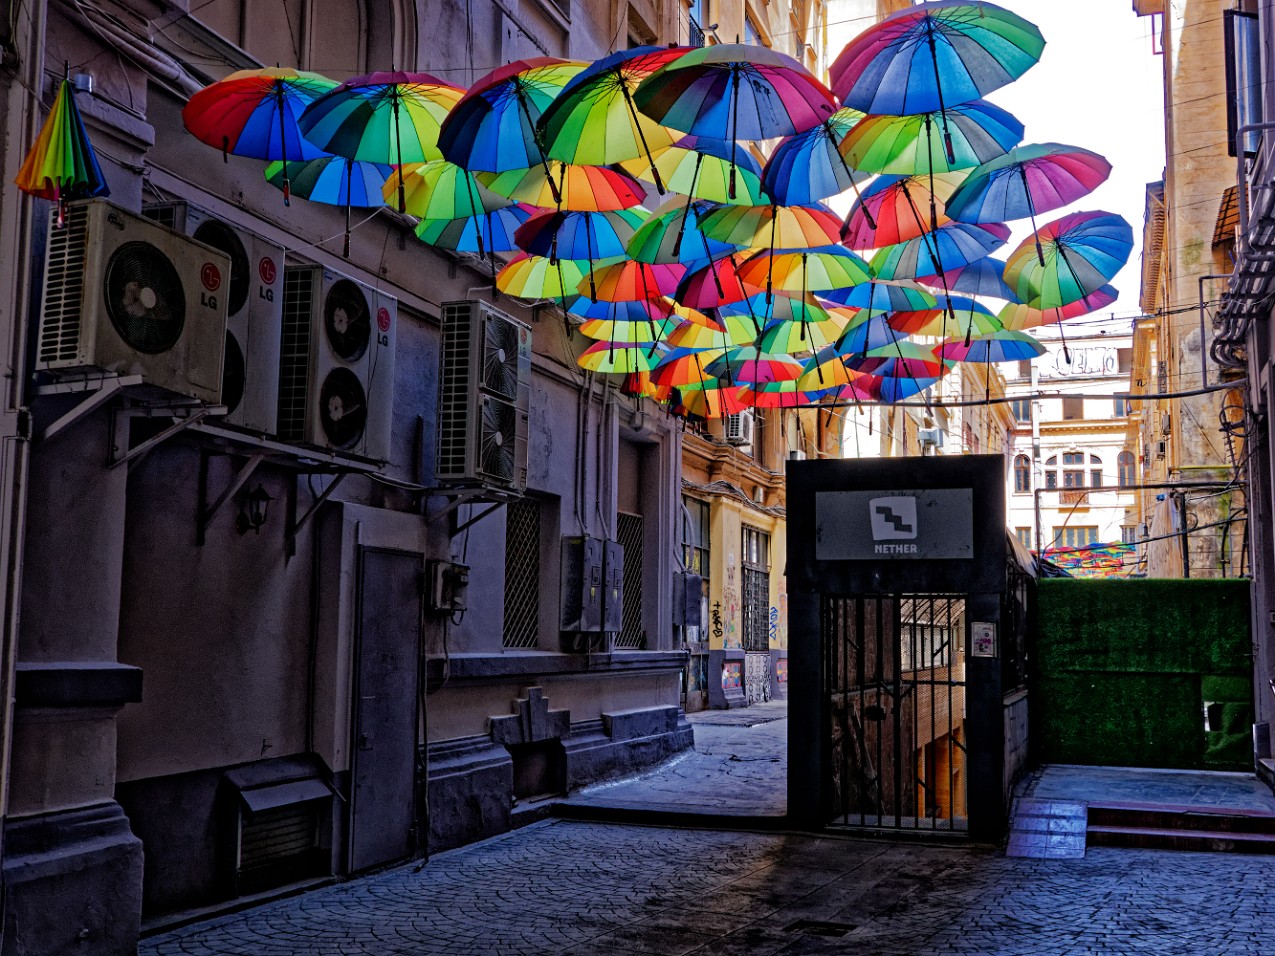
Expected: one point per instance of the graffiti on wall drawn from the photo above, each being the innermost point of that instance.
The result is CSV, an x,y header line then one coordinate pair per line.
x,y
718,630
732,675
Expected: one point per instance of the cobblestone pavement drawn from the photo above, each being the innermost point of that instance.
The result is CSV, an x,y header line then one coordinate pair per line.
x,y
562,887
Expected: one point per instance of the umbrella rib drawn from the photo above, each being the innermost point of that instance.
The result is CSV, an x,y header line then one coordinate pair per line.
x,y
637,124
938,86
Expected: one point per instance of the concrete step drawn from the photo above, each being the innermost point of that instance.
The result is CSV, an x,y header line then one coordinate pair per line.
x,y
1210,841
1169,817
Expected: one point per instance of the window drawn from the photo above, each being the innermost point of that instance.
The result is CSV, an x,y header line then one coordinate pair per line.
x,y
695,16
696,536
1080,537
1024,536
1073,407
1128,534
1051,472
1073,469
1024,368
1022,409
1123,406
756,579
1022,474
751,33
1124,469
1095,471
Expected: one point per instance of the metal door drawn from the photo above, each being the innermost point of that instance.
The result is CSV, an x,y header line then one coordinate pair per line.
x,y
895,689
386,661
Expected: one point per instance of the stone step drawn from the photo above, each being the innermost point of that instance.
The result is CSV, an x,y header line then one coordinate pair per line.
x,y
1211,841
1170,817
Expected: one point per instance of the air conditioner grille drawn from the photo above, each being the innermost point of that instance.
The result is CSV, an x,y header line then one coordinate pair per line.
x,y
455,360
500,357
294,358
144,298
64,289
347,320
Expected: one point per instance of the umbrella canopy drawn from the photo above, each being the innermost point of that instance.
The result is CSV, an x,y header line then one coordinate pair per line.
x,y
494,127
893,209
748,365
1027,181
748,91
255,113
483,234
828,369
806,270
727,332
672,234
1001,346
708,402
902,359
955,244
61,164
381,118
1019,317
773,227
790,338
908,145
867,332
954,316
778,395
333,180
593,121
808,166
622,310
881,296
701,166
578,235
441,190
621,358
785,307
982,277
933,55
684,367
628,280
714,284
538,277
651,329
1081,252
892,388
554,184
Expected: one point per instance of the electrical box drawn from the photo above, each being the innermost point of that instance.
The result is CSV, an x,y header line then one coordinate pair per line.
x,y
688,591
582,585
448,585
613,596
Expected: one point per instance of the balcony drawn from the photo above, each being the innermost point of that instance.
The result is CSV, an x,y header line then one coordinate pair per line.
x,y
695,33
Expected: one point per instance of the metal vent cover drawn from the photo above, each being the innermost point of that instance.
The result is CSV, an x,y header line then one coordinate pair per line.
x,y
64,289
294,357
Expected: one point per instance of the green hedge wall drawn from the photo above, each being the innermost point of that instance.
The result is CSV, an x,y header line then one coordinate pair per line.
x,y
1123,670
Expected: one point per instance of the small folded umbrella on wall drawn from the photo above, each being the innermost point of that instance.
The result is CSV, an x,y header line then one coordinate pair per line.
x,y
61,164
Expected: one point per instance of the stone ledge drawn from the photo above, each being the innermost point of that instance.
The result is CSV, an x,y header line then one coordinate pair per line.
x,y
77,684
499,667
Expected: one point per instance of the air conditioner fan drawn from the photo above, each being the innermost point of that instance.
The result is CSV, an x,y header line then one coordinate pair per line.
x,y
342,408
234,374
144,298
347,319
497,438
500,358
224,239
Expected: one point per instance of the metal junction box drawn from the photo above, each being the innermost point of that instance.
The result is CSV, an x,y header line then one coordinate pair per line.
x,y
613,599
581,592
688,593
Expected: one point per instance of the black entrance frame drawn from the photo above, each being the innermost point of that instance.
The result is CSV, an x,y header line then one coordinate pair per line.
x,y
992,583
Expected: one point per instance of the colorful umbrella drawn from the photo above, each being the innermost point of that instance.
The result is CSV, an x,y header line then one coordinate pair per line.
x,y
790,338
623,310
622,358
441,190
725,333
538,277
828,369
1080,253
867,332
748,91
701,166
494,127
579,188
628,280
901,359
882,296
592,121
982,277
489,232
579,235
784,307
808,166
684,367
931,56
1019,317
256,113
708,402
672,234
955,244
955,315
892,388
806,270
626,330
381,118
1027,181
61,164
773,227
907,145
999,346
334,181
778,395
748,365
890,210
714,284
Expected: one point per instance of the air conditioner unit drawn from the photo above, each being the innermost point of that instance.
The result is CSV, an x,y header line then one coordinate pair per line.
x,y
930,436
796,455
1161,449
739,428
1166,424
254,305
336,370
484,394
124,295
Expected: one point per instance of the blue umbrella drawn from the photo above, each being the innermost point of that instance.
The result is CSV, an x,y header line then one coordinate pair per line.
x,y
809,165
334,181
982,277
956,244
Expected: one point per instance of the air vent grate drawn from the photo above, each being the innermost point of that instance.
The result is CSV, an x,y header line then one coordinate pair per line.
x,y
294,359
64,289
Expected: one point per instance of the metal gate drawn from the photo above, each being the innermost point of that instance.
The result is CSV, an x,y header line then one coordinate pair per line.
x,y
895,685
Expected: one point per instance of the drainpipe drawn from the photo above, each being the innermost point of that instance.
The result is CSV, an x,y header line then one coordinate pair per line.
x,y
1186,551
1204,355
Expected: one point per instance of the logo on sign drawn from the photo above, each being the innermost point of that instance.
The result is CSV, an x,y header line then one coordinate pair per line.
x,y
210,276
893,519
266,269
383,319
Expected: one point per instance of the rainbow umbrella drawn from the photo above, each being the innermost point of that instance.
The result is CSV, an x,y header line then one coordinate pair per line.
x,y
1080,253
901,359
389,117
624,310
773,227
880,296
714,284
1027,181
748,91
577,188
955,315
867,332
748,365
819,269
808,166
999,346
672,234
494,126
725,333
790,338
890,210
441,190
931,56
622,358
685,367
61,164
334,181
628,280
707,402
828,368
893,388
982,277
538,277
256,113
581,236
955,244
700,167
906,145
1019,317
778,395
625,330
783,306
490,232
592,121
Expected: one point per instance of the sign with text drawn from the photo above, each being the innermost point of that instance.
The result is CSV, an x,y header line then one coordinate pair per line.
x,y
891,525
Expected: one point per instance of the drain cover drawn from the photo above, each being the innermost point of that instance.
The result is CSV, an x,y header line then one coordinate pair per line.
x,y
811,927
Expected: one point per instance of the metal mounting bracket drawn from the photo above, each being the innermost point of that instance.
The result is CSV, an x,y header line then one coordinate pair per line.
x,y
208,512
100,391
318,502
184,417
465,496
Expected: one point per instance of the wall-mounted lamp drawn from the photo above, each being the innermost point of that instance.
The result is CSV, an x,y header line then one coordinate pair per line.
x,y
253,509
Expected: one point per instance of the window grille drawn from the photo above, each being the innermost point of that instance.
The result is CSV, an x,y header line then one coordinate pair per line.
x,y
628,530
522,573
756,597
